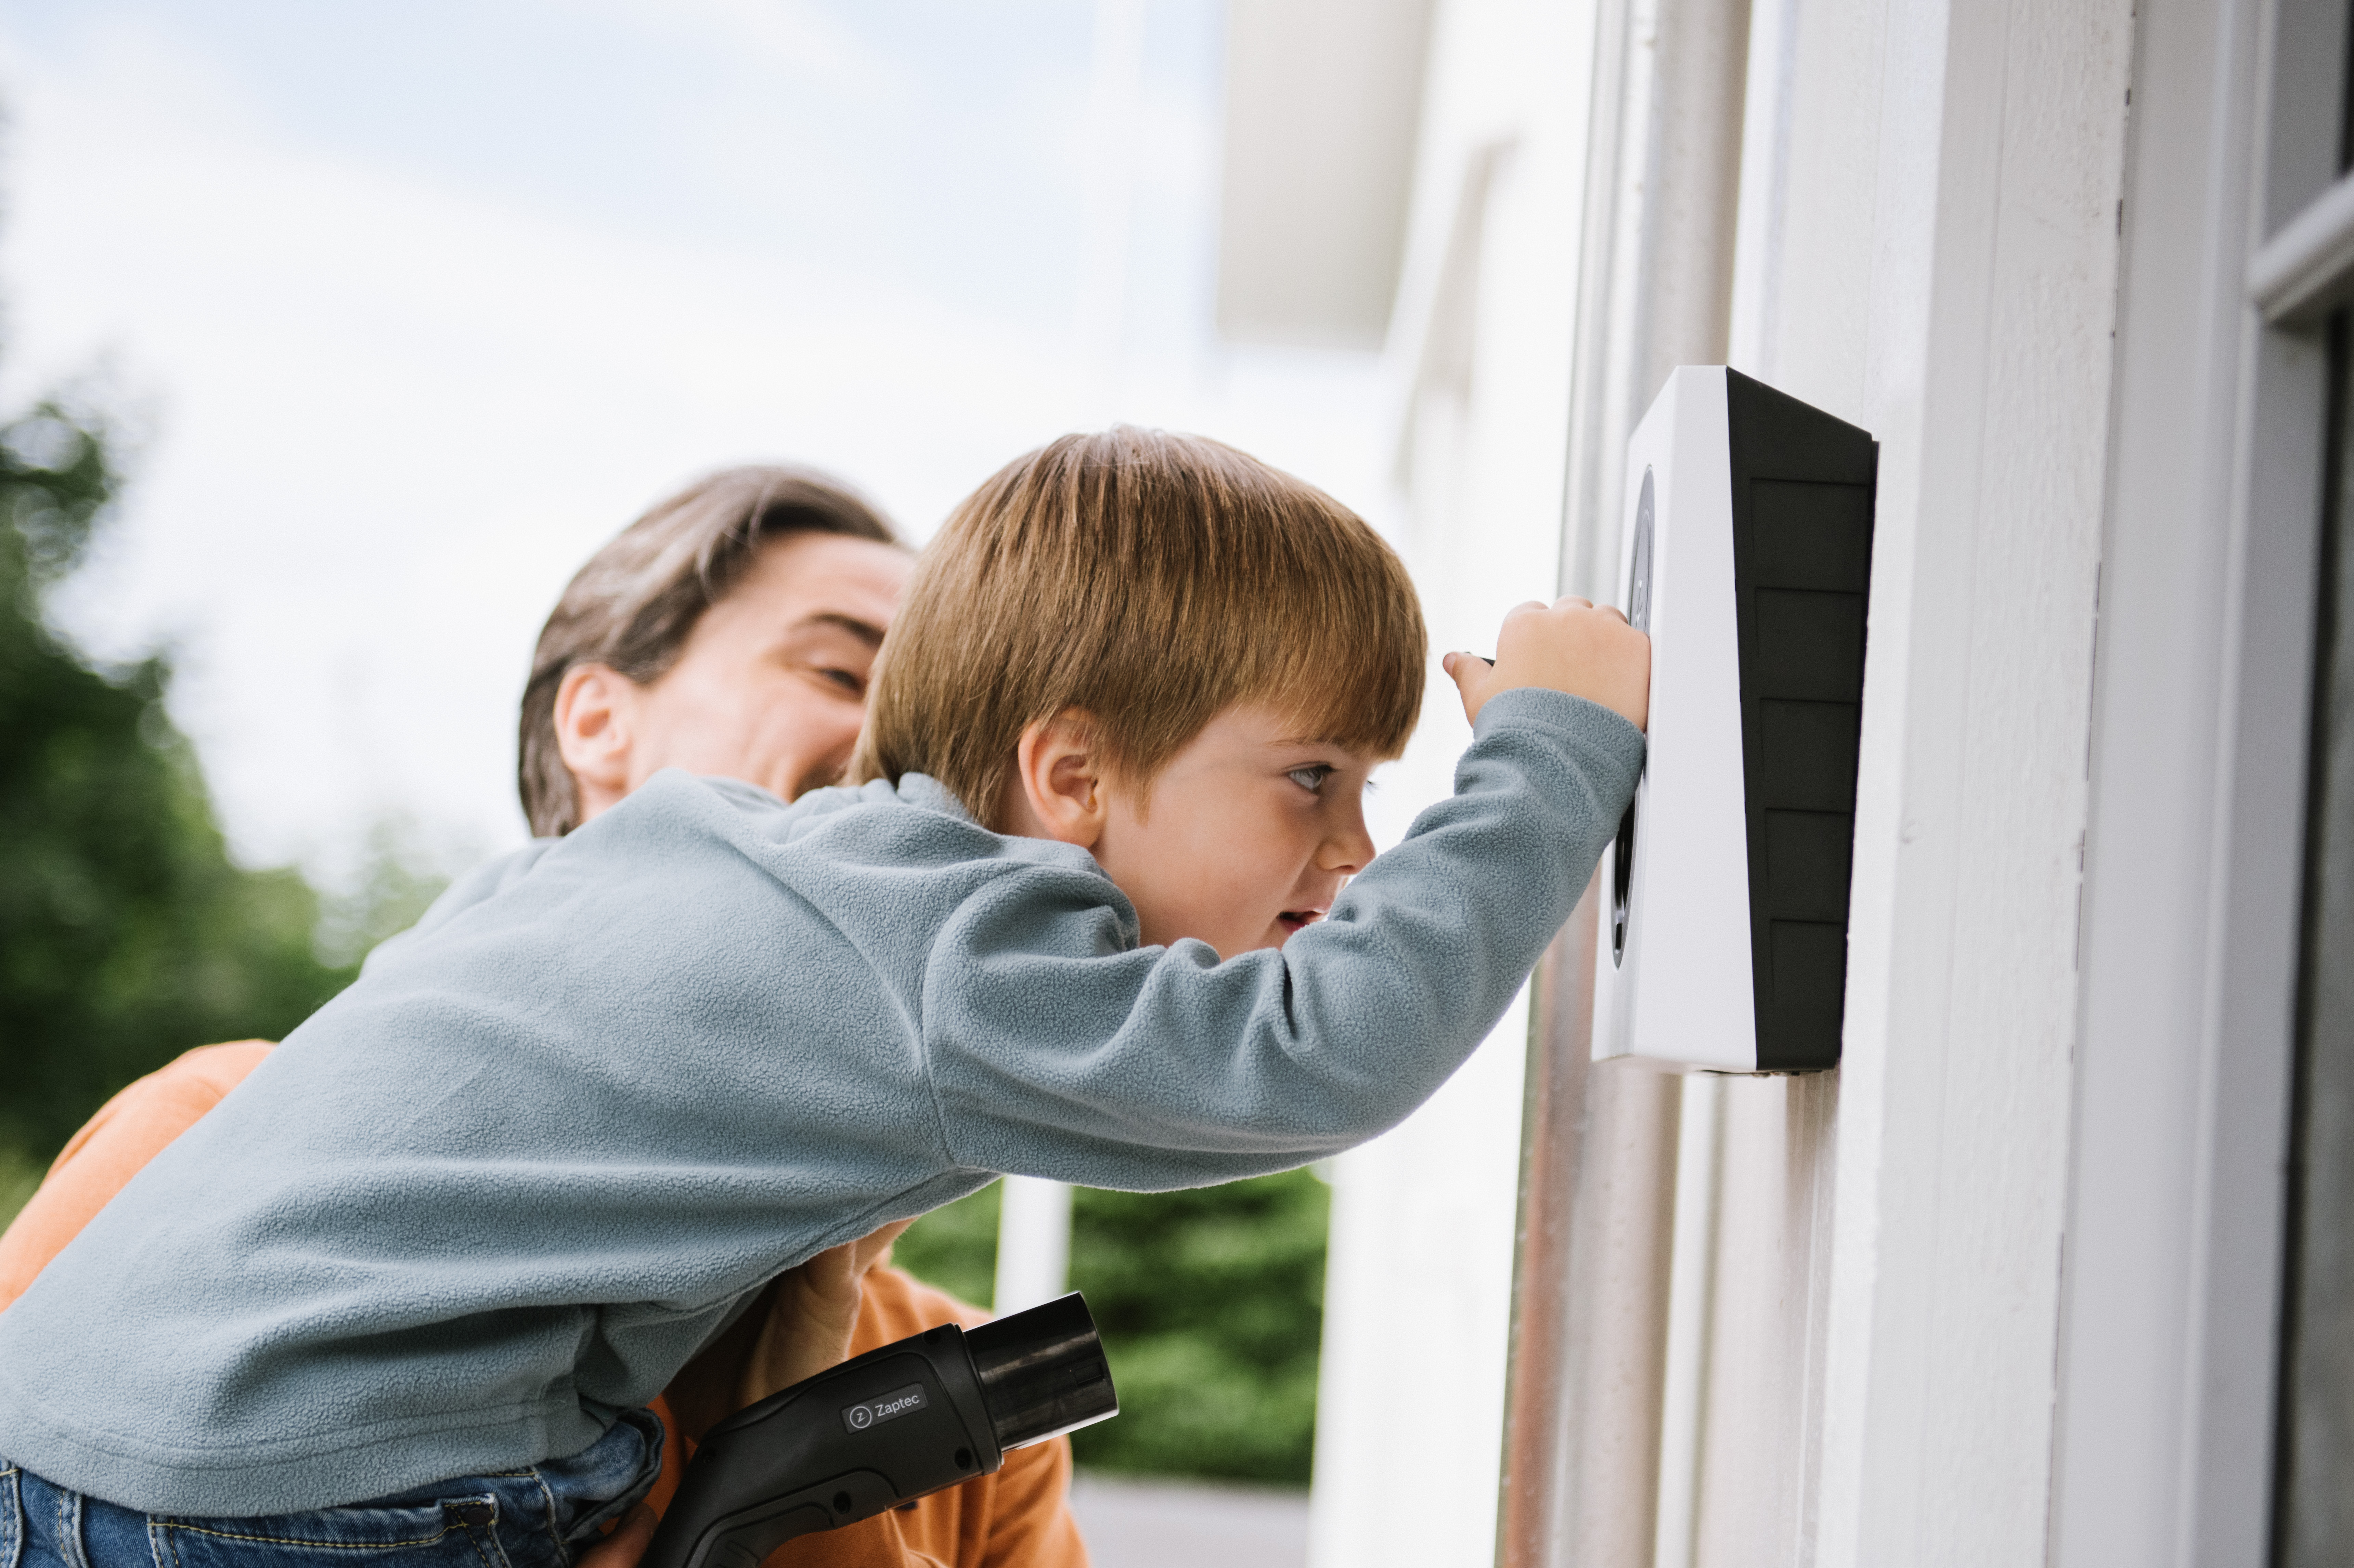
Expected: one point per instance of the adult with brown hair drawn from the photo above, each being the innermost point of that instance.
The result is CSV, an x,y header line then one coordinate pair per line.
x,y
731,631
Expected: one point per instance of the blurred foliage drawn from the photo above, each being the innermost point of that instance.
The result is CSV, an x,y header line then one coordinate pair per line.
x,y
955,1248
397,879
19,1174
127,935
1211,1305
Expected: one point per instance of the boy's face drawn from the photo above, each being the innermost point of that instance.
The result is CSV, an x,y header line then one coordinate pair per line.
x,y
1247,835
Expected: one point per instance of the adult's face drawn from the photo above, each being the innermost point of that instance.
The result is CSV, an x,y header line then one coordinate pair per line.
x,y
770,686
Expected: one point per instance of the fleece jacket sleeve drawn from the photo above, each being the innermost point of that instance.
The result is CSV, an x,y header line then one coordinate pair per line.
x,y
1157,1068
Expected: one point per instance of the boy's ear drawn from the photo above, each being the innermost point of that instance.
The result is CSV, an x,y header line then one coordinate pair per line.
x,y
1057,790
596,724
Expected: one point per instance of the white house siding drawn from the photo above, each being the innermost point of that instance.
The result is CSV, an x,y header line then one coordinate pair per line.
x,y
1936,259
1868,1285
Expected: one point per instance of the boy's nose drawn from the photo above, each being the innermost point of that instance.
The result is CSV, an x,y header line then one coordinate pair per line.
x,y
1346,851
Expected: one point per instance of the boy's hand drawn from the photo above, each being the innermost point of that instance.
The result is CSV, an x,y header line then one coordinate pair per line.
x,y
1571,645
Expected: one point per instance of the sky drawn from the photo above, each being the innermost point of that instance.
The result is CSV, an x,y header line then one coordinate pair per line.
x,y
403,311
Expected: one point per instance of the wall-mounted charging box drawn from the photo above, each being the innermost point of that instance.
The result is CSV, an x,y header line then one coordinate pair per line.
x,y
1746,554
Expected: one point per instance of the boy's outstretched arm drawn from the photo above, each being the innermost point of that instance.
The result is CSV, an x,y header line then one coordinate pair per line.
x,y
1053,1052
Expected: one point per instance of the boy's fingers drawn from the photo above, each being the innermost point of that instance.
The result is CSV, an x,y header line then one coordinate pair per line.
x,y
1475,680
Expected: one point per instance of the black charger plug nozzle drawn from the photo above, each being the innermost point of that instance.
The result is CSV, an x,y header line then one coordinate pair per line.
x,y
1041,1372
883,1430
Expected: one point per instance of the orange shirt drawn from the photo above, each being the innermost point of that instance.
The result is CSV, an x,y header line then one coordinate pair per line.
x,y
1018,1518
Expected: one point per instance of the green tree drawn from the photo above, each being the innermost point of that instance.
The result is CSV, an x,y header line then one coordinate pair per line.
x,y
127,935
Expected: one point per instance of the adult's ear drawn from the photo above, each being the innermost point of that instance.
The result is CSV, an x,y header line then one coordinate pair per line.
x,y
596,725
1057,789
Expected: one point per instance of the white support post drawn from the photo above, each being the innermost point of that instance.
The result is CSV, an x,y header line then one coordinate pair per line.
x,y
1034,1243
1691,1302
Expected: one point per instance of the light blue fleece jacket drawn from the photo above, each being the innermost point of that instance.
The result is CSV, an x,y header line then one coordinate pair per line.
x,y
550,1143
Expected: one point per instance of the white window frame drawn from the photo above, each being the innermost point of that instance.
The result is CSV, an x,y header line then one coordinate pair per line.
x,y
2238,240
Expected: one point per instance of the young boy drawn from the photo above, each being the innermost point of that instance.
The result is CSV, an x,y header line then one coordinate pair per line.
x,y
1084,918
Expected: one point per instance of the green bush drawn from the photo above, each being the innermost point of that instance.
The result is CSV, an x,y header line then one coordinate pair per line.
x,y
1211,1303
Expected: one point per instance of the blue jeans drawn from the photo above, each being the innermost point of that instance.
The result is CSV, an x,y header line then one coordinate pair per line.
x,y
536,1517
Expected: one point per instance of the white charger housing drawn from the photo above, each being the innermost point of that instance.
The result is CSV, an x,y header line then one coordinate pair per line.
x,y
1746,553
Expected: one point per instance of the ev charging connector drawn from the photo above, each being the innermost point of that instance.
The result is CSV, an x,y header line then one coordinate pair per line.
x,y
883,1430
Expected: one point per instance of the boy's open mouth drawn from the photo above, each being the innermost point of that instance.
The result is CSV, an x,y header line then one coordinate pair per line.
x,y
1299,919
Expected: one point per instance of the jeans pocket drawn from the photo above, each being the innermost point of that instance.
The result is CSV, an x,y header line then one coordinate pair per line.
x,y
603,1481
12,1514
458,1531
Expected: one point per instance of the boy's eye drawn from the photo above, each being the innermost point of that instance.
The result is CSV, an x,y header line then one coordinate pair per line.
x,y
850,681
1311,779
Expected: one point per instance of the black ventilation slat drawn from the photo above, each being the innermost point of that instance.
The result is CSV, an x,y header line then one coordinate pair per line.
x,y
1811,535
1804,758
1809,959
1797,1037
1803,489
1806,863
1809,645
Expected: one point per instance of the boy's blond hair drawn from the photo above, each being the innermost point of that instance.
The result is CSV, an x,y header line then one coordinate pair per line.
x,y
1149,581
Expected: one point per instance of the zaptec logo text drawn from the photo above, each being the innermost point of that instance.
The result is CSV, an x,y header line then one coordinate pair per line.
x,y
898,1402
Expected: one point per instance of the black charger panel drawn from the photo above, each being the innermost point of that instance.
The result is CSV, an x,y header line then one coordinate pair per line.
x,y
1803,485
